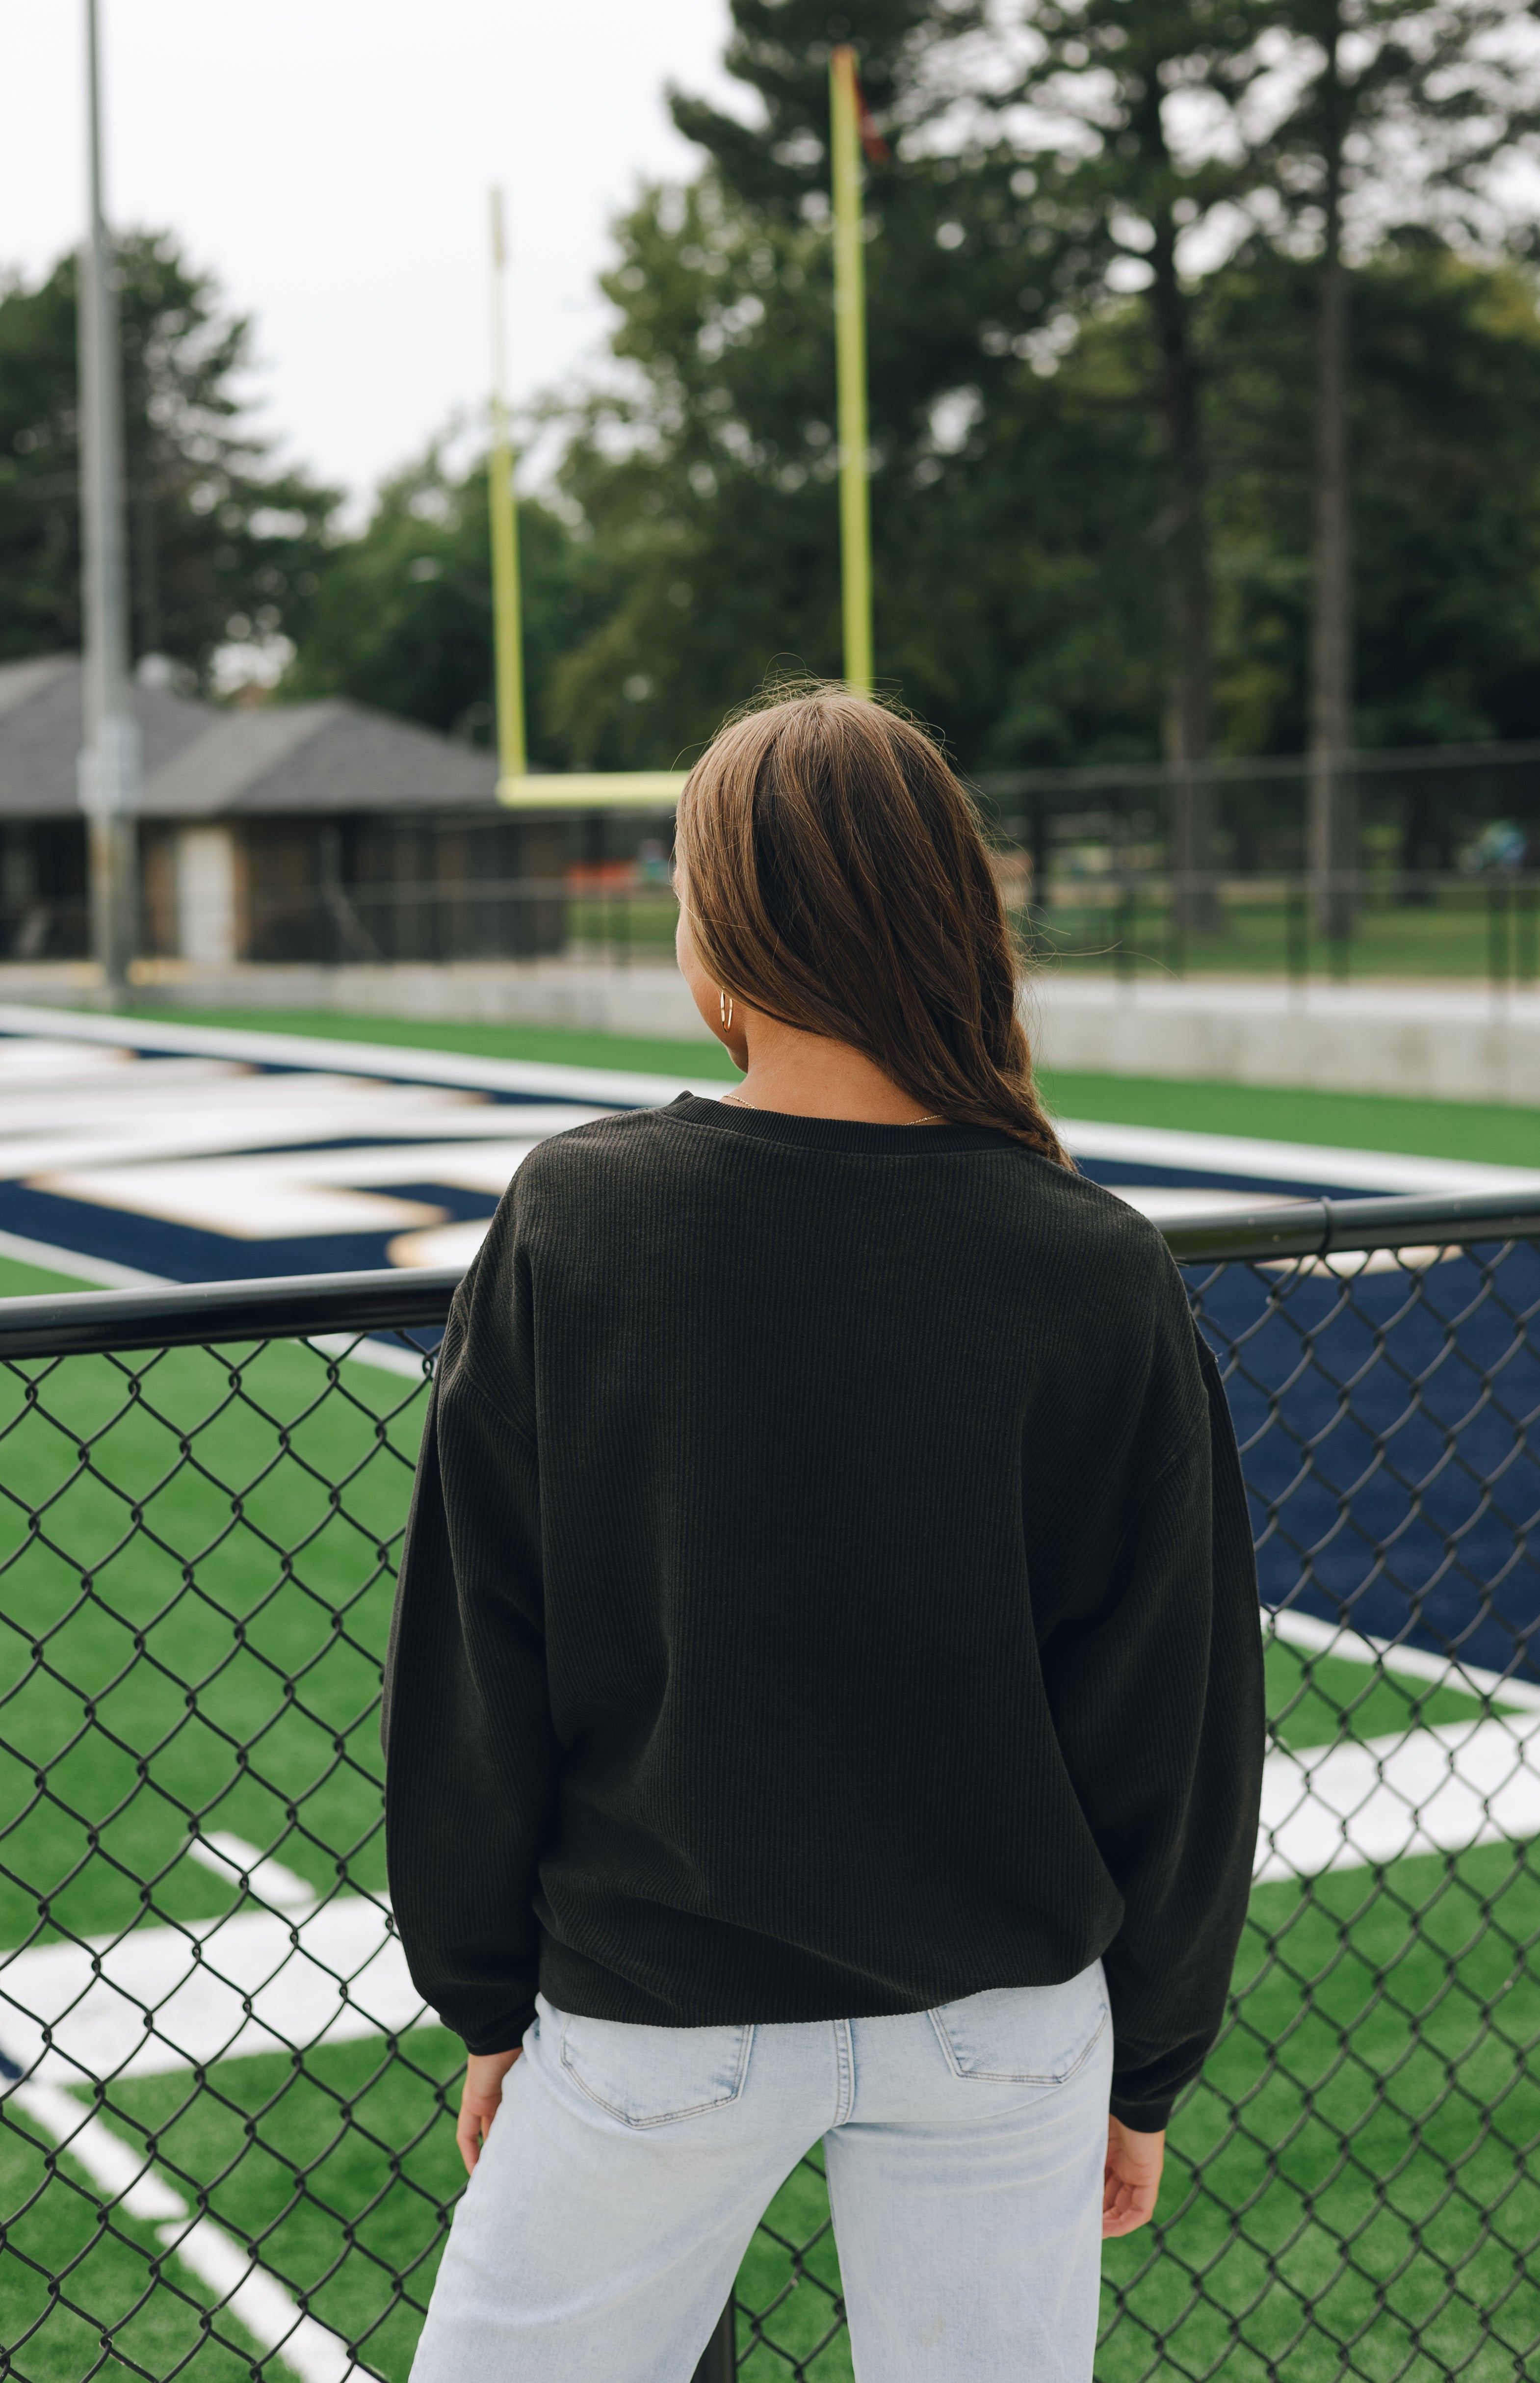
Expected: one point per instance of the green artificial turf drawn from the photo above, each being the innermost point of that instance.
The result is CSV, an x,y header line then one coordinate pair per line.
x,y
206,1529
1478,1130
21,1281
1316,1699
1384,2047
1471,1130
564,1047
193,1626
221,1568
71,2275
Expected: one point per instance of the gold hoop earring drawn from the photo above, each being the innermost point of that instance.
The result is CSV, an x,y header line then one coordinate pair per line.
x,y
724,1006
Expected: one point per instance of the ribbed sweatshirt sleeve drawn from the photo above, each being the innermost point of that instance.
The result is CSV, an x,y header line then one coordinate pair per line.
x,y
1159,1708
470,1750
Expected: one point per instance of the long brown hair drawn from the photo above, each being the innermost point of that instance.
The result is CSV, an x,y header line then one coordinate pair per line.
x,y
836,879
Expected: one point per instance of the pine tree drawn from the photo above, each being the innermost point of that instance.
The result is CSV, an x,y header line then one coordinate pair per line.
x,y
223,543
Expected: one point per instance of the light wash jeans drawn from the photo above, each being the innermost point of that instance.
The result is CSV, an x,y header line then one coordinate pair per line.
x,y
629,2165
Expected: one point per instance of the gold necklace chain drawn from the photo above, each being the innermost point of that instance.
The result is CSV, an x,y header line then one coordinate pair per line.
x,y
738,1102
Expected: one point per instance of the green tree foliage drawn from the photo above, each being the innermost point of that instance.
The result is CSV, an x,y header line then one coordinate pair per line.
x,y
1445,386
1026,503
223,545
1001,491
1003,508
1119,203
401,618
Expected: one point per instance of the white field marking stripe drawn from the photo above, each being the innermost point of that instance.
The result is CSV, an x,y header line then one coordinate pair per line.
x,y
1333,1639
104,1273
1159,1201
123,2175
1291,1161
107,1276
263,2305
142,1117
1426,1791
283,1195
236,1858
197,1980
125,2179
632,1091
1323,1807
276,1112
386,1356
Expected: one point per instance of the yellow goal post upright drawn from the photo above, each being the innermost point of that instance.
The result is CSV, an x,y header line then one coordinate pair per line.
x,y
606,790
656,790
506,623
850,356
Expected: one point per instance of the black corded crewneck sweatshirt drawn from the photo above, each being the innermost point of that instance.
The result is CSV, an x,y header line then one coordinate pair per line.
x,y
827,1592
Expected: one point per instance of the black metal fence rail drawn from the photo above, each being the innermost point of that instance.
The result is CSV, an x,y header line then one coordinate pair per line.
x,y
225,2131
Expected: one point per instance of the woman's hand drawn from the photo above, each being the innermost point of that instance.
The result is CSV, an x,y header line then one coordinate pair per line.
x,y
1131,2180
480,2097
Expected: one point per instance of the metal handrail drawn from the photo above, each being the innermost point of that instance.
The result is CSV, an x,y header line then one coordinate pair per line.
x,y
197,1314
300,1307
1317,1229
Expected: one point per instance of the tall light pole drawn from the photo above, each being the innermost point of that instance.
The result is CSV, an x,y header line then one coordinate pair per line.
x,y
850,353
507,625
109,765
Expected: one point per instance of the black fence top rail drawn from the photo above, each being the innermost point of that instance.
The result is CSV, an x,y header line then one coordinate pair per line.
x,y
198,1314
1318,1229
289,1307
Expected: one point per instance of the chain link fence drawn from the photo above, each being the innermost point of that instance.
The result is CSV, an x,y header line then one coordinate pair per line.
x,y
226,2130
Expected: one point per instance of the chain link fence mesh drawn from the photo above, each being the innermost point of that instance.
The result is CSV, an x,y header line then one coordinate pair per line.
x,y
226,2130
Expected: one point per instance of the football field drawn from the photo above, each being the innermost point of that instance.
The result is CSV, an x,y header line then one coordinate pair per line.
x,y
197,1556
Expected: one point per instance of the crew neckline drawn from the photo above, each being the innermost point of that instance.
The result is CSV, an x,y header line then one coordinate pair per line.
x,y
849,1134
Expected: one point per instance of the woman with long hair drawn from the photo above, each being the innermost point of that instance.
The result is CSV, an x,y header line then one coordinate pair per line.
x,y
824,1695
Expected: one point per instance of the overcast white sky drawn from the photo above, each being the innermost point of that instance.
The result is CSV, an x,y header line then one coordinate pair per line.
x,y
330,159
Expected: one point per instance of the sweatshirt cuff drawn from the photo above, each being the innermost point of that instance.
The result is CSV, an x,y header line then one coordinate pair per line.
x,y
502,2034
1143,2118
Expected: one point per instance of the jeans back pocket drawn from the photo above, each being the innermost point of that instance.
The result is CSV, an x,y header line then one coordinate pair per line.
x,y
1025,2035
652,2076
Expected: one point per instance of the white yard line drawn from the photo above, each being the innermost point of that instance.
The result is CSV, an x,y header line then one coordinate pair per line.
x,y
1291,1161
103,1274
633,1090
257,1981
123,2176
266,1980
269,1980
1287,1162
128,2182
263,2305
1381,1800
1334,1638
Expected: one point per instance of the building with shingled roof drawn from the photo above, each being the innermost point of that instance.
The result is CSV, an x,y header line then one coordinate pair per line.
x,y
280,831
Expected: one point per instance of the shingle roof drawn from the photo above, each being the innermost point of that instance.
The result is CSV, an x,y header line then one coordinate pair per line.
x,y
201,762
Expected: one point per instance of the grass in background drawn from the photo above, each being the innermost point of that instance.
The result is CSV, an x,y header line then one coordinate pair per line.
x,y
340,2160
19,1281
191,1556
564,1047
1448,937
1480,1129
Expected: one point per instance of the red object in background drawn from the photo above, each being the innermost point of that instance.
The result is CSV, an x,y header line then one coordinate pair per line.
x,y
877,149
601,876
